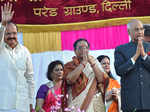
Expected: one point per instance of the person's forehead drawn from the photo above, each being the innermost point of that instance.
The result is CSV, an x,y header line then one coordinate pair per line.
x,y
105,59
58,67
11,26
81,43
137,25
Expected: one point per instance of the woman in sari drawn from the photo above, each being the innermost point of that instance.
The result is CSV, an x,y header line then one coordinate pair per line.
x,y
49,96
111,87
83,76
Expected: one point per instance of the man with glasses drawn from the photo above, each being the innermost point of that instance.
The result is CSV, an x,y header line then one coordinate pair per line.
x,y
132,64
16,70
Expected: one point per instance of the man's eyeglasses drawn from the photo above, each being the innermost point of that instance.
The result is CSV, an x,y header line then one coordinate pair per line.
x,y
139,29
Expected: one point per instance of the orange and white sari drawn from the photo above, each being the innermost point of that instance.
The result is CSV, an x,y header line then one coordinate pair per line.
x,y
83,94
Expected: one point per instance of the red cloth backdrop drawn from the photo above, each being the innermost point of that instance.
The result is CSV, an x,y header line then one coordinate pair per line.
x,y
69,11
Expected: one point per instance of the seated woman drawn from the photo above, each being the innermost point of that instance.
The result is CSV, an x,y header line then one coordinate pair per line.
x,y
111,87
49,96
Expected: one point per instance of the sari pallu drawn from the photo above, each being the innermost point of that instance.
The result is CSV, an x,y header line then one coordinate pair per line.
x,y
113,106
83,94
52,100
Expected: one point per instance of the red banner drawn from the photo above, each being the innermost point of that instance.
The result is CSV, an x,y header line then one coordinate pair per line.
x,y
70,11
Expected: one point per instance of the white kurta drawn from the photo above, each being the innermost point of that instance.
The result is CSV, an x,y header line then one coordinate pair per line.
x,y
16,77
9,111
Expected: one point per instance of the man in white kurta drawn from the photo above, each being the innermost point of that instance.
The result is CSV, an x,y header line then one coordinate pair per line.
x,y
16,70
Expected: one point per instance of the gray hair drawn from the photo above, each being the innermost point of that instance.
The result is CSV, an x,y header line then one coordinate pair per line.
x,y
132,21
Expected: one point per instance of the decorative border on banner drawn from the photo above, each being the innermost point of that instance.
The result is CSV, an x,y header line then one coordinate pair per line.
x,y
79,25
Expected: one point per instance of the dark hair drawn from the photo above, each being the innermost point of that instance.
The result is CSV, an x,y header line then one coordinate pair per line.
x,y
147,30
101,57
51,66
9,22
80,39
